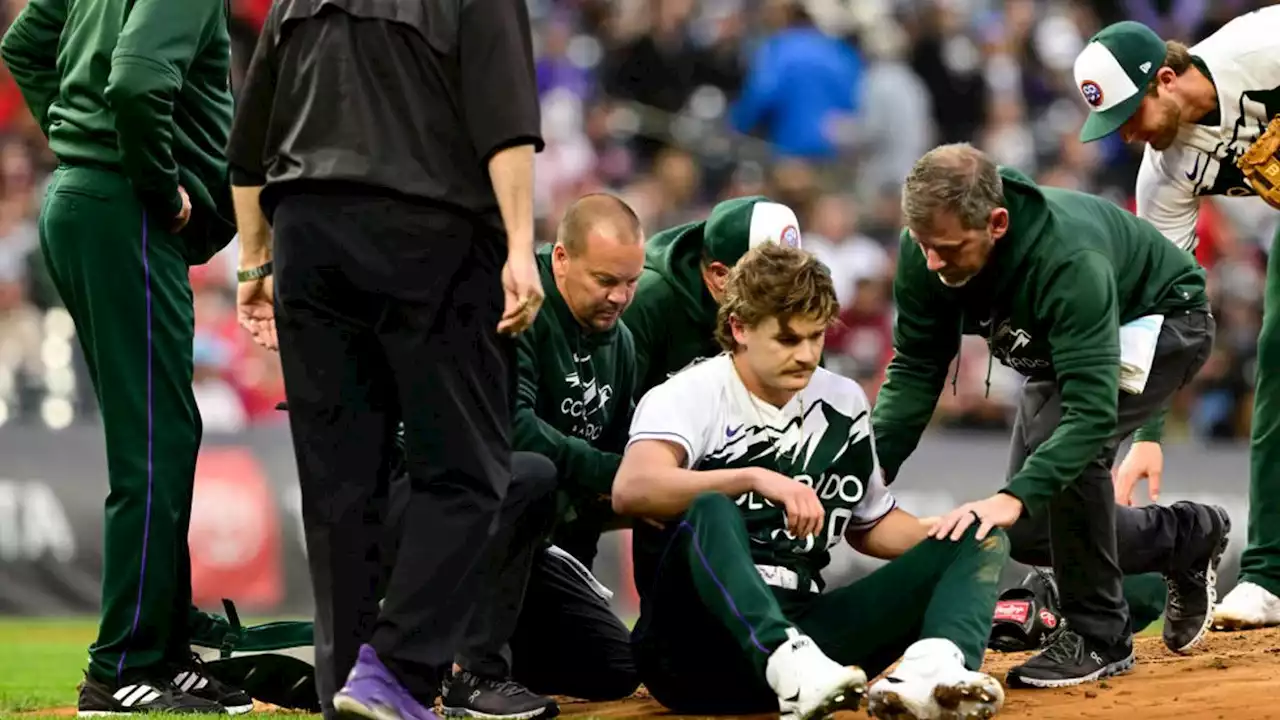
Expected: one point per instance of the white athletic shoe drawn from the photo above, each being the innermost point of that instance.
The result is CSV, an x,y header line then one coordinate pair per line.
x,y
932,683
1247,606
809,684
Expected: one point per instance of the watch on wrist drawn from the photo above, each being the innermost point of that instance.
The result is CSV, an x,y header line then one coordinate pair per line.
x,y
261,271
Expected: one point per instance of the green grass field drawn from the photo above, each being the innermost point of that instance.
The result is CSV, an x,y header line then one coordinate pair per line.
x,y
41,662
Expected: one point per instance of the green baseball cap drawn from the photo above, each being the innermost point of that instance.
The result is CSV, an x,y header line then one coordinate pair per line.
x,y
735,226
1112,73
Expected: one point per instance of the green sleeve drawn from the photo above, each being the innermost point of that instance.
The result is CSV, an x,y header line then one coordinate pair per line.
x,y
157,44
582,468
30,50
1084,341
644,318
1152,430
926,337
619,430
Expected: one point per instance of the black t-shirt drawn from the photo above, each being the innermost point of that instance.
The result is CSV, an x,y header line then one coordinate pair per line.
x,y
406,98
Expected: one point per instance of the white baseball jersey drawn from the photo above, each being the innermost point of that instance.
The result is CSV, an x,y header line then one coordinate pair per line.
x,y
1243,59
821,438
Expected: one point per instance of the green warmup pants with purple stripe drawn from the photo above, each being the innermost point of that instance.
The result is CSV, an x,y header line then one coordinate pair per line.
x,y
124,280
1260,563
709,623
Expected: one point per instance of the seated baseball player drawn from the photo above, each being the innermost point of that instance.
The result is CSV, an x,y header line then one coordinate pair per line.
x,y
755,463
673,318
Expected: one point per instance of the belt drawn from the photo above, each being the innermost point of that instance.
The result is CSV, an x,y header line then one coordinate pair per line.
x,y
781,577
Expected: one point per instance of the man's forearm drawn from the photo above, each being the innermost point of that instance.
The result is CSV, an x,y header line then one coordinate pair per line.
x,y
890,538
251,223
511,171
648,490
904,408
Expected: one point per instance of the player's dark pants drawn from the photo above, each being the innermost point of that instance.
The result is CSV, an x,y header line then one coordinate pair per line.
x,y
388,310
123,278
1090,542
1260,563
537,619
709,623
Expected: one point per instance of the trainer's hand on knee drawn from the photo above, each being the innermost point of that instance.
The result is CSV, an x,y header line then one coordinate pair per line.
x,y
1144,460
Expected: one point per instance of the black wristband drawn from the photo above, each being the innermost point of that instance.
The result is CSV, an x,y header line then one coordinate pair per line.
x,y
254,273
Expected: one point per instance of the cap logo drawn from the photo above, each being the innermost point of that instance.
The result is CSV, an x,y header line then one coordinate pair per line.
x,y
1144,67
1092,92
791,236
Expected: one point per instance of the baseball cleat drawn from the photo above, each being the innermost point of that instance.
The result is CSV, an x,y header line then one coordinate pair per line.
x,y
1072,660
932,683
809,684
193,679
373,693
1188,610
98,699
1246,607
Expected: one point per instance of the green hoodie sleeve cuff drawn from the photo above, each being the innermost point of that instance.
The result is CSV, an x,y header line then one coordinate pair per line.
x,y
1153,429
1033,495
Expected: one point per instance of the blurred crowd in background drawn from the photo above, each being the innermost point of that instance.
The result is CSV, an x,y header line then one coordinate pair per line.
x,y
677,104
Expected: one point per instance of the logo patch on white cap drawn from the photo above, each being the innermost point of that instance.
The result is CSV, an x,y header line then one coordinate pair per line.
x,y
1092,92
1103,83
775,223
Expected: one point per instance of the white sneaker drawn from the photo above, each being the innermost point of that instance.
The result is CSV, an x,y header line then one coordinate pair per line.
x,y
1247,606
932,683
809,684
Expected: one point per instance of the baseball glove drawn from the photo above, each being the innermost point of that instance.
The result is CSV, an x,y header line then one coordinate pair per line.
x,y
1261,166
1027,617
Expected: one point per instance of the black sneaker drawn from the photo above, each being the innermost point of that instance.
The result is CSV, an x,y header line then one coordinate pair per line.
x,y
1193,588
1071,660
469,695
193,679
98,699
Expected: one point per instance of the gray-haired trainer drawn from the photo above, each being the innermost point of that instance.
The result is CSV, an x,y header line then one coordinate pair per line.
x,y
373,693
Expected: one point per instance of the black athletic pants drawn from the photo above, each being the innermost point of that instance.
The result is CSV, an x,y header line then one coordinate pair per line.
x,y
537,619
1090,542
388,310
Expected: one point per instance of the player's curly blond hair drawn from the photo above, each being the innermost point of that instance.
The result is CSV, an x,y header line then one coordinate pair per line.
x,y
775,281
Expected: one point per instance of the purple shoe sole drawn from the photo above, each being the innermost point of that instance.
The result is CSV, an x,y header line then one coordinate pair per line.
x,y
373,693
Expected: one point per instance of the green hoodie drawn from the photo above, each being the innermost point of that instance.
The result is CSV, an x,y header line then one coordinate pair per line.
x,y
140,86
1071,270
673,315
574,396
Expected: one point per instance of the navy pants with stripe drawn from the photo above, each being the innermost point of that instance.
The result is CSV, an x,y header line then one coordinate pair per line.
x,y
123,278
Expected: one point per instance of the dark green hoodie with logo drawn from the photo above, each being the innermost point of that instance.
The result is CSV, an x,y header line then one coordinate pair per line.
x,y
1071,270
574,394
673,315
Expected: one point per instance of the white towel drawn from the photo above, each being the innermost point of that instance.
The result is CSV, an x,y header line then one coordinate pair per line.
x,y
596,586
1137,351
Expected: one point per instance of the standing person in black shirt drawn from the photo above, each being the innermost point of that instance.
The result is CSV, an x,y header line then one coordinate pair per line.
x,y
389,146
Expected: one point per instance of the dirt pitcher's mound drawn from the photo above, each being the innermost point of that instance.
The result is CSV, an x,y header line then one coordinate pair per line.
x,y
1230,676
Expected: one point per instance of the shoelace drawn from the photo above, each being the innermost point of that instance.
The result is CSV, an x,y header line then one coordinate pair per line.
x,y
1066,648
509,688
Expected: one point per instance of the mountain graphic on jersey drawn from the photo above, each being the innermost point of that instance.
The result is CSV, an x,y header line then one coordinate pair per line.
x,y
824,449
813,442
